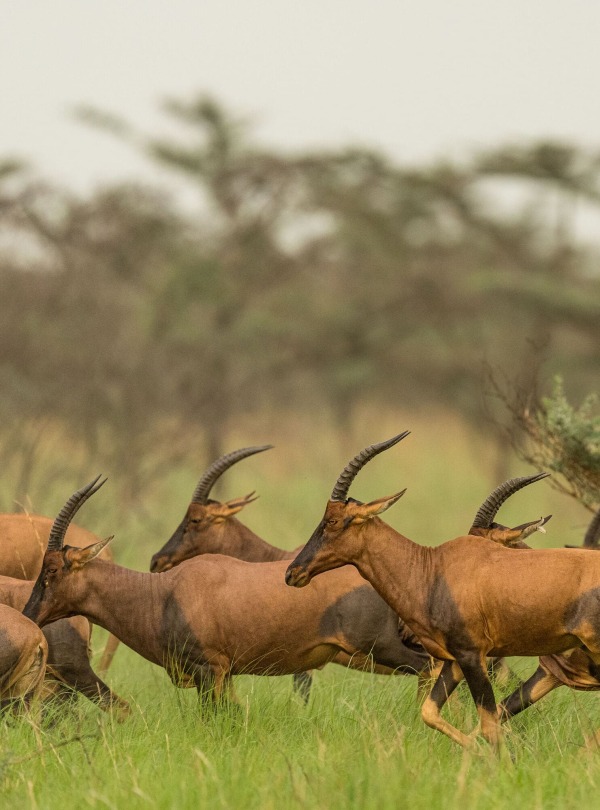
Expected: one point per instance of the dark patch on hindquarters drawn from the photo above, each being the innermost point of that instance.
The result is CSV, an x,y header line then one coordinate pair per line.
x,y
371,626
584,610
445,617
183,656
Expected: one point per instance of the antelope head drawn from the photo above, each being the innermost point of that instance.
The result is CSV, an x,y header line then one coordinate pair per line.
x,y
338,538
198,532
57,580
484,525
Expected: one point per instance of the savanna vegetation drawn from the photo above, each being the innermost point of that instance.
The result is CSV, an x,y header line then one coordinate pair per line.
x,y
320,302
144,325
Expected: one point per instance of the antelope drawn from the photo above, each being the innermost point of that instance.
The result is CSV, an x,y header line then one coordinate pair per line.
x,y
575,668
68,667
466,599
23,654
211,617
23,542
210,527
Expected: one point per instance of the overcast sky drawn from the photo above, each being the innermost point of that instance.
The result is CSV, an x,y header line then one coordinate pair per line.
x,y
418,79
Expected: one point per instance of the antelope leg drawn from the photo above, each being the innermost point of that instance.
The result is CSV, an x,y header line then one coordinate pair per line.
x,y
474,667
528,693
449,678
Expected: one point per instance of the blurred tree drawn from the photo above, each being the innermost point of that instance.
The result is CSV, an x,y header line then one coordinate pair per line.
x,y
144,327
225,307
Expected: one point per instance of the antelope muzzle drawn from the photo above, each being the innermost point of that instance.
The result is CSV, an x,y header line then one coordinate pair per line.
x,y
159,563
297,577
305,566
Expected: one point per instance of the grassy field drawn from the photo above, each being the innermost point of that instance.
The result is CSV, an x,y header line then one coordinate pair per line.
x,y
360,741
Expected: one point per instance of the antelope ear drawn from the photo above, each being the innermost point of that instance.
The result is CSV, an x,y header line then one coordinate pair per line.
x,y
514,538
222,511
364,511
78,557
534,526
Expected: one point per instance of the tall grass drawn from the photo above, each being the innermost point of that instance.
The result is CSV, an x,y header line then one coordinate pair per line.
x,y
360,741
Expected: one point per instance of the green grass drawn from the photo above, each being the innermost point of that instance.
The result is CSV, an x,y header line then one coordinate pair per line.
x,y
360,741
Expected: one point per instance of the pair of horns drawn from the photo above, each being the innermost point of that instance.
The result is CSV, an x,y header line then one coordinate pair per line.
x,y
488,509
350,471
69,510
218,467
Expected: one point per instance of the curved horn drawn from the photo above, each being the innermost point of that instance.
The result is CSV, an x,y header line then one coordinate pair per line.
x,y
488,509
342,485
66,514
218,467
592,536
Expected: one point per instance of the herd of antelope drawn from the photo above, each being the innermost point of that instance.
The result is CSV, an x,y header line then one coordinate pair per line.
x,y
217,602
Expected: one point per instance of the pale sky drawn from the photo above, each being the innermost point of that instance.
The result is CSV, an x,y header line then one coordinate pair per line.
x,y
418,79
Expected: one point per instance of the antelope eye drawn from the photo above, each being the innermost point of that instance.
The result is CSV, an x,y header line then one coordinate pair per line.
x,y
332,521
51,570
195,520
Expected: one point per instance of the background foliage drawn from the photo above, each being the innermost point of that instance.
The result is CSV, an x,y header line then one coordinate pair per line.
x,y
142,328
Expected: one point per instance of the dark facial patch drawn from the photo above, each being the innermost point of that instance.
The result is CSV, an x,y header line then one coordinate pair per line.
x,y
32,609
170,547
307,554
41,606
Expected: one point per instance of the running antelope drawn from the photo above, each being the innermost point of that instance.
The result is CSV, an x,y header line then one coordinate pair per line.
x,y
68,667
466,599
23,540
210,527
574,668
23,653
211,617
